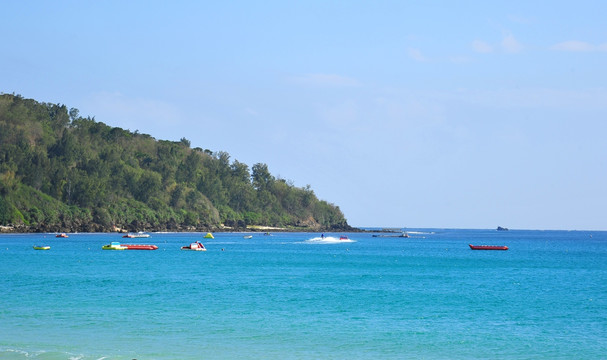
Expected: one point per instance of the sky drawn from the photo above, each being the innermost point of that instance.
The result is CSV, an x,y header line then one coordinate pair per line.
x,y
416,114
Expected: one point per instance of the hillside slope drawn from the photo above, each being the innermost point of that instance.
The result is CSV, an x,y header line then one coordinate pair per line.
x,y
63,172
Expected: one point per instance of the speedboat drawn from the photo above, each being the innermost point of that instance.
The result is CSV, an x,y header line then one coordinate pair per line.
x,y
37,247
62,235
140,234
140,246
114,245
343,237
488,247
196,246
248,236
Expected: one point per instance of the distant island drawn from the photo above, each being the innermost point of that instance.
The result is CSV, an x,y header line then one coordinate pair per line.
x,y
499,228
61,172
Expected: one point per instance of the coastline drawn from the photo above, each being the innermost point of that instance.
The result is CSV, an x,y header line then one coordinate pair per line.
x,y
91,228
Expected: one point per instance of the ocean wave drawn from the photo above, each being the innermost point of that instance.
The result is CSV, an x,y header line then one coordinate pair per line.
x,y
16,354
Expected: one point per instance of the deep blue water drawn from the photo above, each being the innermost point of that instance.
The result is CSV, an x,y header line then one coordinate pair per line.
x,y
292,296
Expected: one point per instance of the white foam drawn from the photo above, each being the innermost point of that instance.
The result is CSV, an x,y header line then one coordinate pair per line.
x,y
328,240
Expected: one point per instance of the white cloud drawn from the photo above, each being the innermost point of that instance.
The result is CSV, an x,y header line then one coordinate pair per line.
x,y
511,45
326,80
481,47
578,46
416,55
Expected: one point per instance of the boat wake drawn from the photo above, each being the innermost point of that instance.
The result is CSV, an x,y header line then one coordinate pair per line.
x,y
328,240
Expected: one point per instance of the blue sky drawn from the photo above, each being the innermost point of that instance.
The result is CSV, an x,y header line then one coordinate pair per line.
x,y
467,114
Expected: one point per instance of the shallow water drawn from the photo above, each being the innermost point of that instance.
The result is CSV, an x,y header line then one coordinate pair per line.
x,y
297,296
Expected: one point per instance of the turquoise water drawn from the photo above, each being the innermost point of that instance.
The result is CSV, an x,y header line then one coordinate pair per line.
x,y
294,296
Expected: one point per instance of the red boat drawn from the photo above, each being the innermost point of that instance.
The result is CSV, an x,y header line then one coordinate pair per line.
x,y
487,247
139,246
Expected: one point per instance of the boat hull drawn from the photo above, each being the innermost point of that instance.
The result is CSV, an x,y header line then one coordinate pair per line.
x,y
110,247
42,247
188,248
139,246
196,246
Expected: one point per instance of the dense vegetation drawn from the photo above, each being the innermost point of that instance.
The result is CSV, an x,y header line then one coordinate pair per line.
x,y
60,171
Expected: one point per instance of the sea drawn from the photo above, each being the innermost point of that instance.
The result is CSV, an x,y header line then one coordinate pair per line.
x,y
306,296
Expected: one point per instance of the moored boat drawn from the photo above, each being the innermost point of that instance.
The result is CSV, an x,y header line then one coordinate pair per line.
x,y
38,247
488,247
195,246
140,246
140,234
62,235
114,245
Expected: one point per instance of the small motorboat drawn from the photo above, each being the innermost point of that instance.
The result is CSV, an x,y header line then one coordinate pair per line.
x,y
140,234
343,237
38,247
209,236
62,235
488,247
114,245
140,246
195,246
248,236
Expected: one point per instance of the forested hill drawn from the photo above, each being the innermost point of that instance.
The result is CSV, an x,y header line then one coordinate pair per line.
x,y
63,172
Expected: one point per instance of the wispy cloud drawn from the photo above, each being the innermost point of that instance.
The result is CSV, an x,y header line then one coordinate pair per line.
x,y
416,55
511,45
481,47
331,80
578,46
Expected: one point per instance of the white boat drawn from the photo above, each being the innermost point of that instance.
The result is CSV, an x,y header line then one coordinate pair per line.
x,y
140,234
195,246
248,236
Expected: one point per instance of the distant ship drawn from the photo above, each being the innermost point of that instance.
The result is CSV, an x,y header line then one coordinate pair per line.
x,y
403,235
499,228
